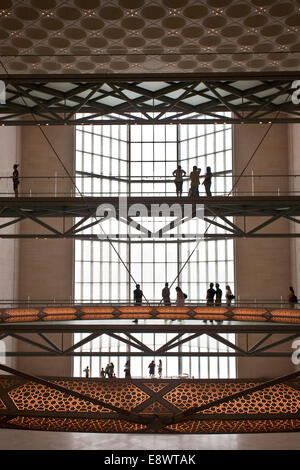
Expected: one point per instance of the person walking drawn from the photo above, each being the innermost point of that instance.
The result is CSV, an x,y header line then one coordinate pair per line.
x,y
229,296
127,369
207,181
138,298
179,173
292,298
165,293
180,296
159,368
152,369
195,181
15,178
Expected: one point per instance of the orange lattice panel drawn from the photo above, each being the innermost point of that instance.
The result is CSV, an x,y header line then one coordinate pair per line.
x,y
210,310
59,313
210,313
96,316
235,426
155,387
277,399
172,316
250,413
155,407
172,312
210,317
97,309
250,318
174,309
135,309
36,397
21,319
286,315
75,425
132,315
59,310
96,313
21,314
2,405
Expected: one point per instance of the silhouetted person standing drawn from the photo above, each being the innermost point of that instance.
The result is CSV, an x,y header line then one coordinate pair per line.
x,y
159,368
127,369
229,296
87,372
111,369
138,297
219,293
210,294
138,294
166,294
152,369
16,181
292,298
180,296
195,181
207,181
179,173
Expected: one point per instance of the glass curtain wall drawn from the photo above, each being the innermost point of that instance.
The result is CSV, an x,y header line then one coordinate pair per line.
x,y
139,160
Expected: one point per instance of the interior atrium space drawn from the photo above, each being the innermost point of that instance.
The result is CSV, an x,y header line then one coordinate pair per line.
x,y
149,225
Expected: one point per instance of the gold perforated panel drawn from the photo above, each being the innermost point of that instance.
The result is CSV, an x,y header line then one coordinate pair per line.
x,y
249,314
30,405
33,396
149,36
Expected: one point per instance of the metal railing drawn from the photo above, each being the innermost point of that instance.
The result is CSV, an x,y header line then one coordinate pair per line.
x,y
89,185
237,302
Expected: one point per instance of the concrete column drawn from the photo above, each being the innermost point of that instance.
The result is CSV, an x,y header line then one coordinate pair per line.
x,y
262,266
46,266
9,249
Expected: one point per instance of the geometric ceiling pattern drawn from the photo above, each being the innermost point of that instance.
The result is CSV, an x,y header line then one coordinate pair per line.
x,y
138,36
185,98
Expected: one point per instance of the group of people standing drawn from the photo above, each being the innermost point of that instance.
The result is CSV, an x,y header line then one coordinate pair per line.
x,y
179,174
108,372
213,296
152,366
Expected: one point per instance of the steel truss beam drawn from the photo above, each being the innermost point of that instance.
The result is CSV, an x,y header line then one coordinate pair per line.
x,y
153,421
217,211
140,348
129,98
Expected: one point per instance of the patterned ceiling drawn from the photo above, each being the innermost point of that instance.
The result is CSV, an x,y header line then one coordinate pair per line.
x,y
111,36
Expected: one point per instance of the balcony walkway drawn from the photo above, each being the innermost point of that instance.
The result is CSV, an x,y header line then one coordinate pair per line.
x,y
216,211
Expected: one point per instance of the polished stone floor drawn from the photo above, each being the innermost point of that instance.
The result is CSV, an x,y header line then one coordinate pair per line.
x,y
37,440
